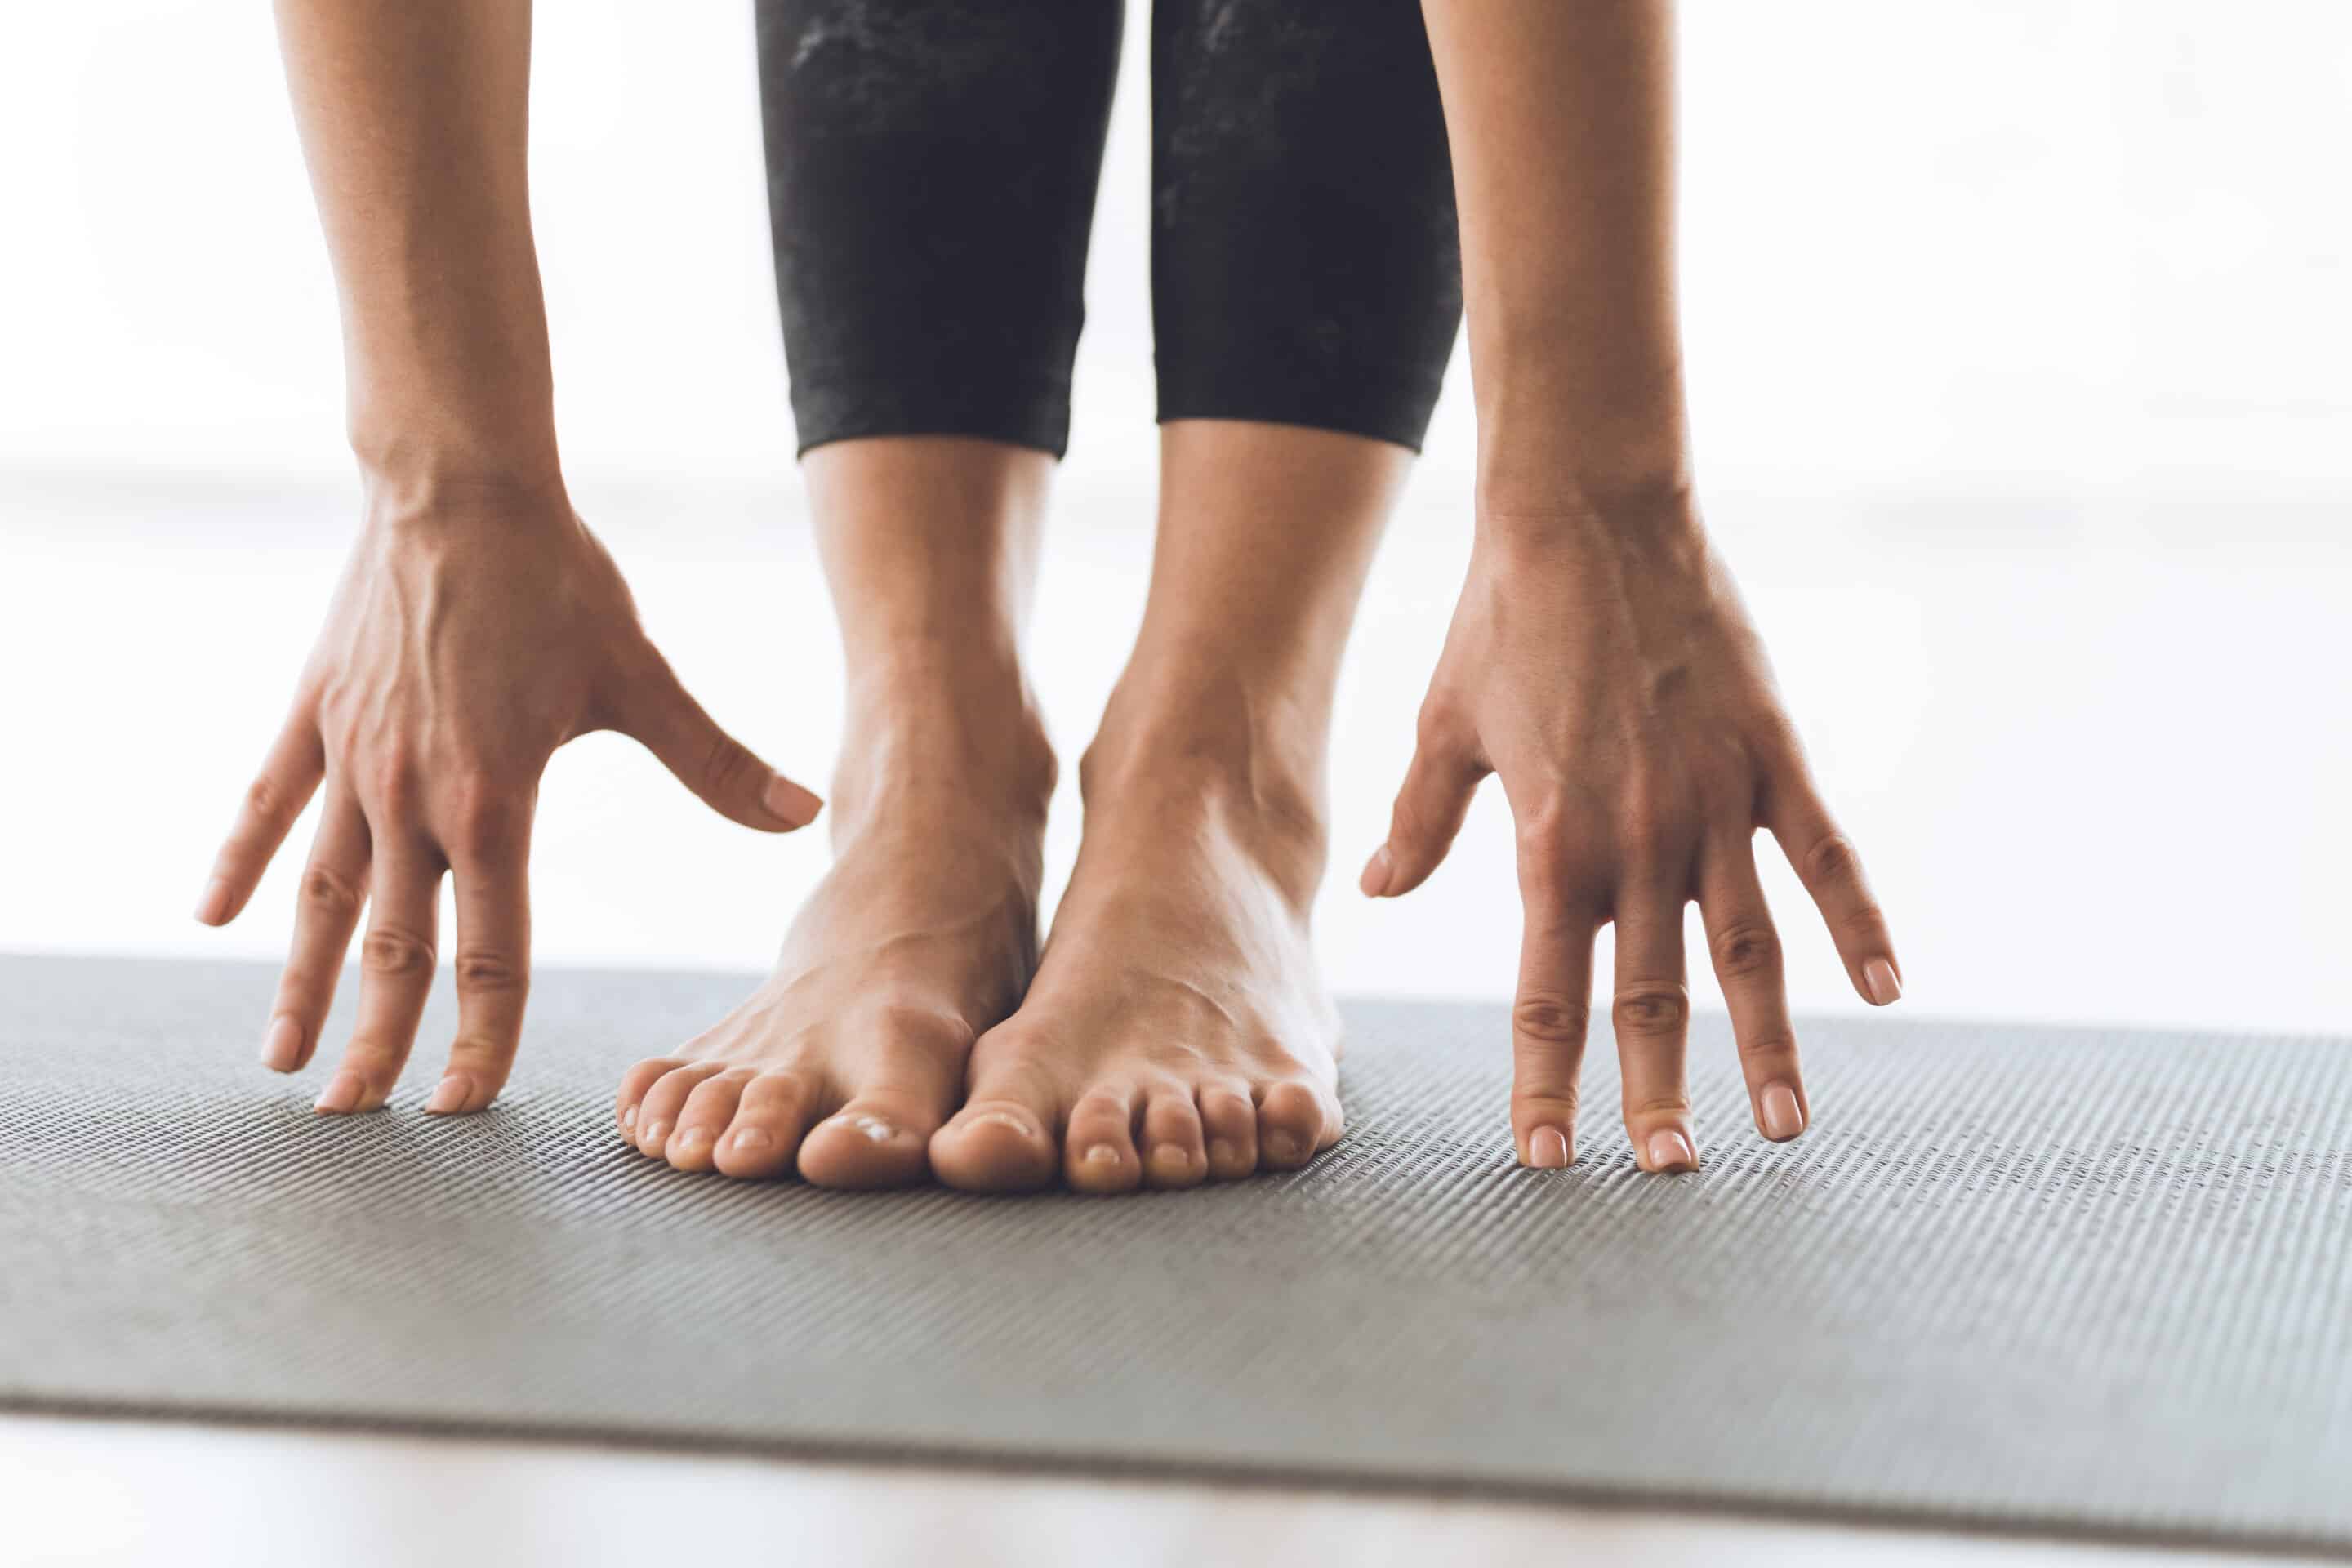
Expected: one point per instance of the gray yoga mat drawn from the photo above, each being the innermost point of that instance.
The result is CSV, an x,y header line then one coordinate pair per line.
x,y
2082,1281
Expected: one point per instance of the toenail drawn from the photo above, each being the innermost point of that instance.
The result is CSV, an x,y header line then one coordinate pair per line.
x,y
342,1094
690,1138
658,1133
753,1138
876,1130
1282,1146
1173,1154
1102,1154
1004,1119
450,1094
629,1119
1223,1152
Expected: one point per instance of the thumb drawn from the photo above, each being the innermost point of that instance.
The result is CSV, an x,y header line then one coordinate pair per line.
x,y
1429,812
730,779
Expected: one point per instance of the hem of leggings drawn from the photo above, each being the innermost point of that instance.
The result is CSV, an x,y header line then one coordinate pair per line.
x,y
1397,431
1037,418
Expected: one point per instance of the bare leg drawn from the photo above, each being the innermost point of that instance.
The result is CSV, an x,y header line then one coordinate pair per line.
x,y
924,933
1178,1028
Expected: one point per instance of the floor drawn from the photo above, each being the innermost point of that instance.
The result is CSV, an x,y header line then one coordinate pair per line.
x,y
96,1494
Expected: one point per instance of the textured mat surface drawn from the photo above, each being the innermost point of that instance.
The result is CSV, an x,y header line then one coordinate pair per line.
x,y
2081,1281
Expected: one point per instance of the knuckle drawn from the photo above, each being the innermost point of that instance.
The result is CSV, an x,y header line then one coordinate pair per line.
x,y
1438,728
1833,859
394,953
1864,924
1550,1017
263,799
1658,1107
489,971
1773,1047
726,763
1648,1011
1746,949
327,893
479,1052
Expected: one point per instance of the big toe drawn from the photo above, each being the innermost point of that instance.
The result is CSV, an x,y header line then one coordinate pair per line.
x,y
881,1139
1001,1142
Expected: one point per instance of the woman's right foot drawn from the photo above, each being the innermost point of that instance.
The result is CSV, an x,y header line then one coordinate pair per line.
x,y
922,936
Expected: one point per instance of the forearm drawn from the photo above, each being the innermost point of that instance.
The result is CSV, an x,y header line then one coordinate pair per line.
x,y
1560,117
413,117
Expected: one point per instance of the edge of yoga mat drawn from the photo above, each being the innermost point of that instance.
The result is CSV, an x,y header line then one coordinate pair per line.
x,y
2247,1136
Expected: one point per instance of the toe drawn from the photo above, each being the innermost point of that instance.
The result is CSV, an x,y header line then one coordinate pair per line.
x,y
1291,1126
1098,1150
1173,1153
634,1085
1001,1142
708,1110
658,1115
1230,1122
765,1136
881,1139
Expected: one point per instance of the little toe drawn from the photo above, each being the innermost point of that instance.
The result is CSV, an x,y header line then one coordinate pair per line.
x,y
657,1115
1173,1153
881,1139
765,1139
1290,1126
1098,1150
998,1143
1230,1122
704,1117
635,1083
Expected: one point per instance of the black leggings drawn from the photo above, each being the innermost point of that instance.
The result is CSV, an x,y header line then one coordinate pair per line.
x,y
931,171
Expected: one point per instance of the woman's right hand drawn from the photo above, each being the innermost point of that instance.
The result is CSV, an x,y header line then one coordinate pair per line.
x,y
468,639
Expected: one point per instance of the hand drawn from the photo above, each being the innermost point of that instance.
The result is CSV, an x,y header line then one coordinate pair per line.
x,y
464,646
1604,668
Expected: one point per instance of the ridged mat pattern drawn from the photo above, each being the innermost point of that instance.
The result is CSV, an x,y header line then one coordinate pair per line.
x,y
2074,1279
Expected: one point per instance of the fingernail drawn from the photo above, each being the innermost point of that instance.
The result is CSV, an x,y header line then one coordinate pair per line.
x,y
1878,975
342,1094
748,1137
211,905
1223,1154
1670,1151
1102,1154
1782,1118
789,800
1282,1146
282,1046
1547,1149
450,1095
1377,871
629,1120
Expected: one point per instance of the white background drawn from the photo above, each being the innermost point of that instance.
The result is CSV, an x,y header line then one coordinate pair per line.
x,y
2019,344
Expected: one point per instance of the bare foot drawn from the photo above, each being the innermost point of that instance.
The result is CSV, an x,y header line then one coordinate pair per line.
x,y
1177,1030
923,935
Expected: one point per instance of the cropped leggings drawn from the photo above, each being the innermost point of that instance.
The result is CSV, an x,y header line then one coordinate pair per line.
x,y
931,174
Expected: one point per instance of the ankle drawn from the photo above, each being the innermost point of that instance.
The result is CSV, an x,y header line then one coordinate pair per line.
x,y
921,732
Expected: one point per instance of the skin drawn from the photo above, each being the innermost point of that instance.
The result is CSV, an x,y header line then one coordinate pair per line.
x,y
1600,662
479,625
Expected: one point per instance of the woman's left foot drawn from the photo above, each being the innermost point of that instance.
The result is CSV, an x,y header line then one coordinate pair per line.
x,y
1178,1030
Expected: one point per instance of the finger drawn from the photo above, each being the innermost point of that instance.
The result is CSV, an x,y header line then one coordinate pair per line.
x,y
1651,1011
492,870
1826,863
289,777
1746,950
1553,1005
397,960
326,912
1422,826
715,765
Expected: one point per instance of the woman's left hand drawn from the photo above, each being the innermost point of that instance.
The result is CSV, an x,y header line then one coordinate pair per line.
x,y
1604,668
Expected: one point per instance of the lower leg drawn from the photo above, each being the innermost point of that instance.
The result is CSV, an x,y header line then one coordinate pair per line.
x,y
924,933
1177,1028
